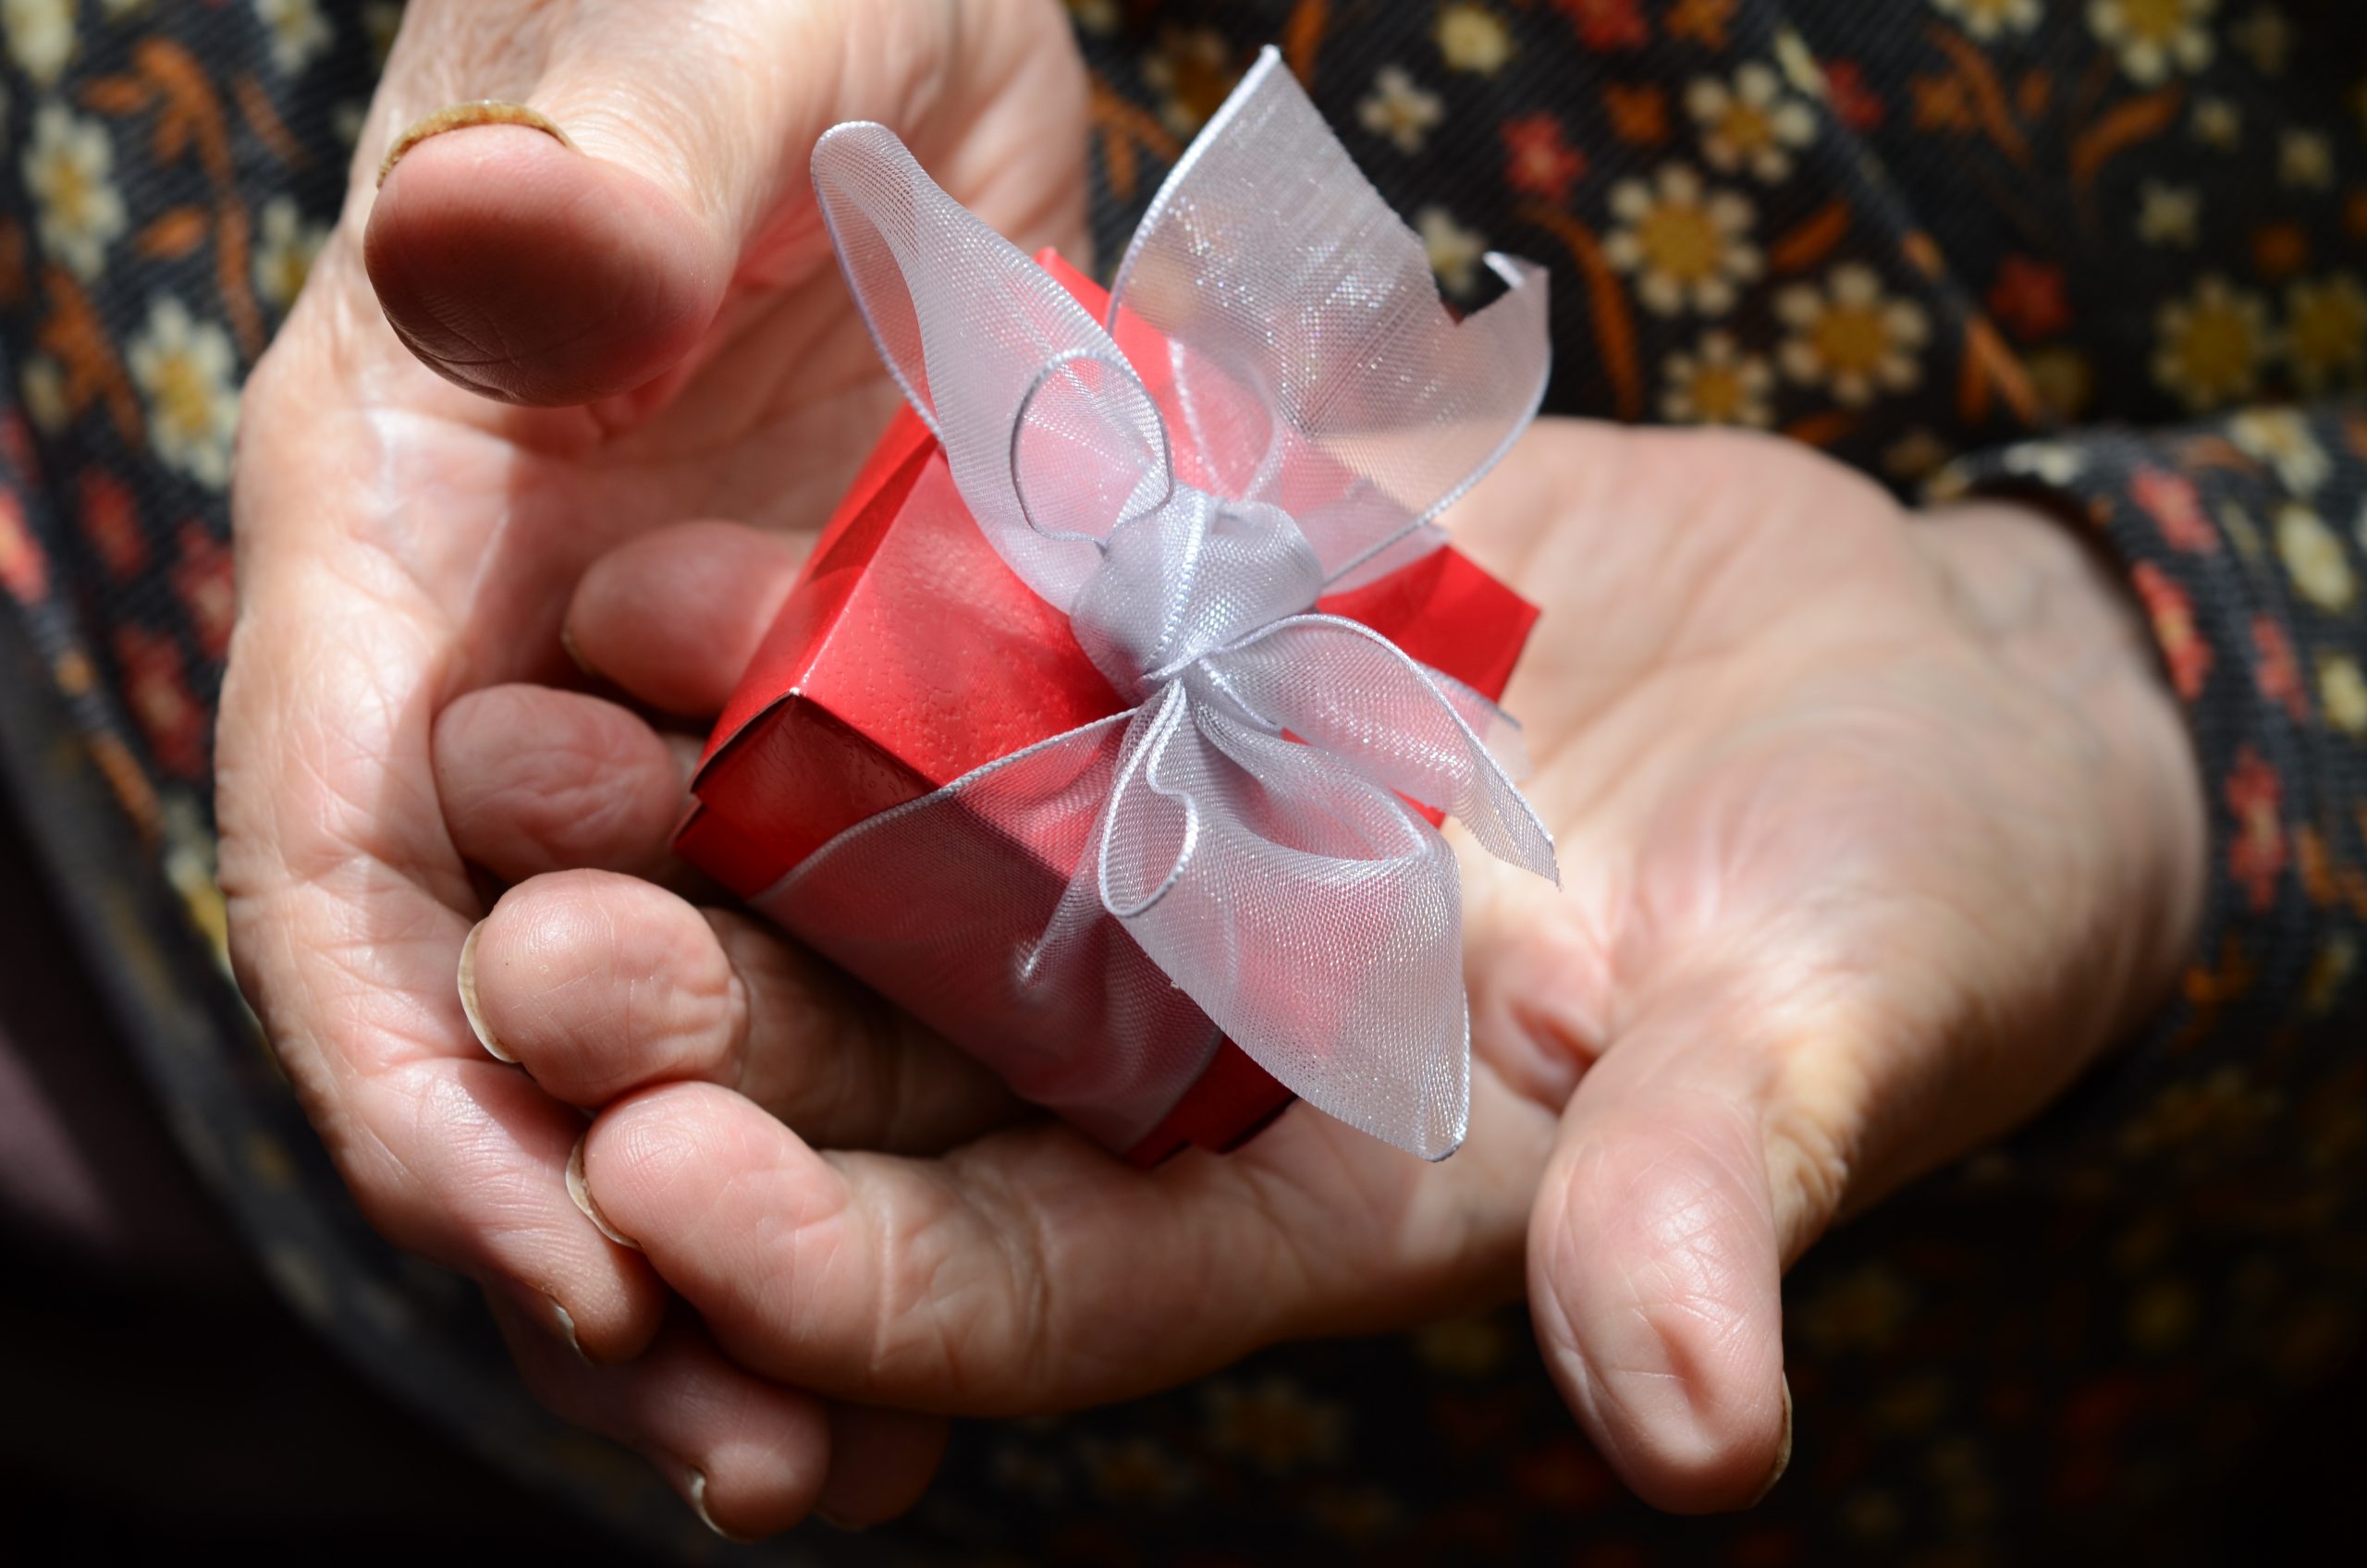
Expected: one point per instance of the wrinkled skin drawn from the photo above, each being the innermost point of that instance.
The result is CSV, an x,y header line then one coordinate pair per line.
x,y
1875,831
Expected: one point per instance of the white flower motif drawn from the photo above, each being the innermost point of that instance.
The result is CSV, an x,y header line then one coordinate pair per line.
x,y
1753,124
1851,337
2209,346
1985,19
1190,70
2305,160
41,36
2342,688
2155,37
2266,36
70,170
1473,37
1455,252
184,367
2170,215
2325,330
2281,438
1096,15
2049,462
1688,246
1718,384
2314,558
284,248
120,8
346,119
1400,109
298,32
2218,123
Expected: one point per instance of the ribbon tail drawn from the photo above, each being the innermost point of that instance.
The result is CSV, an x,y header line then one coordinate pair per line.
x,y
1310,912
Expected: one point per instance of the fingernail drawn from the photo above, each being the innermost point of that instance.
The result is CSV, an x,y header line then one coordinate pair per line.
x,y
574,654
581,1190
1783,1449
469,1008
566,1321
459,117
698,1506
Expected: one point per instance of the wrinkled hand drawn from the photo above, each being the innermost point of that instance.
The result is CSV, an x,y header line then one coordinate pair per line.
x,y
1875,832
402,541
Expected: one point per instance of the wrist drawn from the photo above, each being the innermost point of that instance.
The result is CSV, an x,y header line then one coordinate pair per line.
x,y
2057,610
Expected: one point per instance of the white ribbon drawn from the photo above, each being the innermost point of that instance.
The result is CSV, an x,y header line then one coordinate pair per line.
x,y
1236,852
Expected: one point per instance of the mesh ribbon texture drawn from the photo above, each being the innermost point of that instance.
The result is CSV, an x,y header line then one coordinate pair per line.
x,y
1236,854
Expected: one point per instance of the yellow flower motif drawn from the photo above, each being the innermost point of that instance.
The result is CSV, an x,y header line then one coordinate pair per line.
x,y
2281,438
1192,71
1851,337
41,36
2218,123
381,20
1473,37
70,168
2170,215
1916,456
184,368
1136,1472
2154,36
1862,1310
2342,691
1464,1347
1400,109
284,248
2314,558
2209,346
2305,160
1718,384
2266,36
298,32
1754,124
1274,1425
1455,252
1986,18
1688,246
2325,330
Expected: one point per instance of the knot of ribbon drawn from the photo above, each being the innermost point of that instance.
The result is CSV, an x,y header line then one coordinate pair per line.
x,y
1277,406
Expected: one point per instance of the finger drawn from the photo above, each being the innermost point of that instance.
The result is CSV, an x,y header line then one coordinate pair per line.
x,y
1031,1272
749,1457
579,245
599,984
1656,1258
675,617
534,780
881,1461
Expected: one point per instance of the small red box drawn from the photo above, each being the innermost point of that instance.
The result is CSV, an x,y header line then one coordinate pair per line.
x,y
909,655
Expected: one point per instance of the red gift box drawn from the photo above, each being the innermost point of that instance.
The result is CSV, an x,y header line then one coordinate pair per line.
x,y
910,654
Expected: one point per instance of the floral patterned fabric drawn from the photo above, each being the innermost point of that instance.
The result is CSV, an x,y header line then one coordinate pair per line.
x,y
2114,251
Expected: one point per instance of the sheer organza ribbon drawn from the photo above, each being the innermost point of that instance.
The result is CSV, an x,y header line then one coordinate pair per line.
x,y
1236,852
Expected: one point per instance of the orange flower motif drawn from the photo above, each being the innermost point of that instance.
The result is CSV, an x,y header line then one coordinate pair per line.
x,y
2259,854
2176,506
23,567
2277,672
202,580
2172,613
1638,115
1854,103
156,689
1537,160
1607,24
2027,297
111,523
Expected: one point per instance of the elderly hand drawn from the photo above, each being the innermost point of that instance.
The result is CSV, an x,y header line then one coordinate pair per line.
x,y
403,542
1876,831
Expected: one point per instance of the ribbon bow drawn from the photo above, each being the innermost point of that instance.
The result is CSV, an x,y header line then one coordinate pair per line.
x,y
1246,822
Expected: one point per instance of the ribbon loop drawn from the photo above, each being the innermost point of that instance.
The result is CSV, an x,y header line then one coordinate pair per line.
x,y
1299,410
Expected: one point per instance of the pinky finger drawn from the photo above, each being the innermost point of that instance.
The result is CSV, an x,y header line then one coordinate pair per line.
x,y
748,1456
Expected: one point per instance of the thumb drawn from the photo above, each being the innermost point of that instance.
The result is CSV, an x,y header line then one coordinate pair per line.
x,y
569,190
1656,1257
